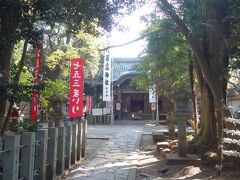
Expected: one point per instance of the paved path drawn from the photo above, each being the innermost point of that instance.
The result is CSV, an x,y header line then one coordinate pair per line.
x,y
117,159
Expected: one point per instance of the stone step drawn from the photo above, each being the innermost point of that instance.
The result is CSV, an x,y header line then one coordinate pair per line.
x,y
164,152
173,142
166,132
162,145
163,122
158,135
190,159
174,147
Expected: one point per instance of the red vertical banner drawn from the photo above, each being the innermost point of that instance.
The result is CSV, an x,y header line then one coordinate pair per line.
x,y
36,82
75,107
88,104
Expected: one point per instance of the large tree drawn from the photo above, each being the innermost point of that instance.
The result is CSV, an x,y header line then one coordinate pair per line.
x,y
164,59
208,26
20,19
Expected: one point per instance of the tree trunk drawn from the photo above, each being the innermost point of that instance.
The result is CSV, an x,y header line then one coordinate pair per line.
x,y
194,97
8,28
5,61
16,82
207,136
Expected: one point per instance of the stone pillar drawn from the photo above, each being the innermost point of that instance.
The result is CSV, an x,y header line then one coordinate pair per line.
x,y
11,157
120,101
90,119
61,150
79,142
68,146
41,158
84,138
74,143
182,149
51,124
171,125
27,155
52,153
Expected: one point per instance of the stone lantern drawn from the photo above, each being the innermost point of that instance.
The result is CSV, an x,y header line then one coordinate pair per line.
x,y
182,111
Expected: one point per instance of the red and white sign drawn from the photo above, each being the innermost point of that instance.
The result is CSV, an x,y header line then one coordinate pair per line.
x,y
88,104
36,82
75,107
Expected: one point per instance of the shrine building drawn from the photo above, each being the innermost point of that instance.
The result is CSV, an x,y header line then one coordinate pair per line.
x,y
130,103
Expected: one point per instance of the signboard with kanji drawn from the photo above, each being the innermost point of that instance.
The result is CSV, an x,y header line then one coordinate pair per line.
x,y
97,111
75,107
34,104
152,94
107,78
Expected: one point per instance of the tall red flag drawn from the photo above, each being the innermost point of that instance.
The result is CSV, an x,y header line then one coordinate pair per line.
x,y
36,81
88,104
75,107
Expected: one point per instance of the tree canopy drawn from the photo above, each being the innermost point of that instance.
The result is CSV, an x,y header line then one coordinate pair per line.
x,y
32,20
165,59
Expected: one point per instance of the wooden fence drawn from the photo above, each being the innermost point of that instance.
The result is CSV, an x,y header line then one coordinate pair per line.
x,y
53,151
231,140
100,120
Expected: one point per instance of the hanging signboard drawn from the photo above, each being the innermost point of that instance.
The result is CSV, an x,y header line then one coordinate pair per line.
x,y
35,100
118,106
88,104
107,78
75,107
97,112
152,94
153,106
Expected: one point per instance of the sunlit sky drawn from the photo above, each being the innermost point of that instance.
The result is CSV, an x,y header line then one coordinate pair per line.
x,y
134,26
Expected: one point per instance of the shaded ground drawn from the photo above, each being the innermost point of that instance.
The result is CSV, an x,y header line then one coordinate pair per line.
x,y
150,163
112,159
93,145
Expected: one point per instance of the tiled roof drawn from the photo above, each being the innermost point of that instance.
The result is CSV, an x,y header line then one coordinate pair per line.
x,y
122,66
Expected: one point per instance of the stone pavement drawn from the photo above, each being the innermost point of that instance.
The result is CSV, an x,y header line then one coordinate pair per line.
x,y
116,159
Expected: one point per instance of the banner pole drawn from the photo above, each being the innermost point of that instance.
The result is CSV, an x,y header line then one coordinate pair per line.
x,y
112,116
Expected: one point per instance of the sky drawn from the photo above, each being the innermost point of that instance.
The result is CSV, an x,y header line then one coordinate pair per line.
x,y
134,26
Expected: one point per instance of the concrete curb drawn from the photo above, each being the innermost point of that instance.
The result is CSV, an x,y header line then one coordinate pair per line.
x,y
132,172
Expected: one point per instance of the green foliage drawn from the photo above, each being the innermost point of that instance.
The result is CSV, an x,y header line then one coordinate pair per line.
x,y
165,61
25,19
59,57
80,45
54,91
